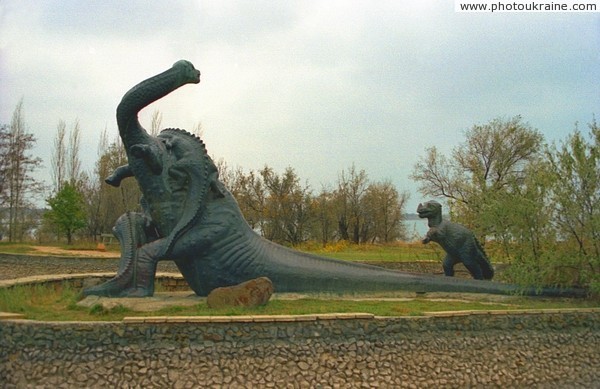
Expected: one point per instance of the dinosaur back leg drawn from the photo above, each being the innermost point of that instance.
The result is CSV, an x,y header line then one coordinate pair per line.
x,y
472,265
486,268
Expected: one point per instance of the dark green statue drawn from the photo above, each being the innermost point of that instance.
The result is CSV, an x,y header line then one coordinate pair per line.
x,y
458,241
190,218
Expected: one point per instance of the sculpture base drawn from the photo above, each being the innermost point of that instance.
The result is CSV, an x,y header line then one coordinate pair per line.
x,y
159,301
162,300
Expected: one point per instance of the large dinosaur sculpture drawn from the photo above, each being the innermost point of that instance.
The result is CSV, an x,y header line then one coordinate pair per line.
x,y
190,218
459,242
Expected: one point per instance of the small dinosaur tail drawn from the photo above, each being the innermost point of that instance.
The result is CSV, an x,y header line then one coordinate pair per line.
x,y
486,267
127,231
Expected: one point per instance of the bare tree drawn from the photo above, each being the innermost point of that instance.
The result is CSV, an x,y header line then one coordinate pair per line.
x,y
66,164
287,211
155,126
198,130
352,187
20,185
251,195
91,185
73,161
59,156
324,216
384,208
4,152
114,201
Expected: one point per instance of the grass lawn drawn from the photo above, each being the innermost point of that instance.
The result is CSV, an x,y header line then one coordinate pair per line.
x,y
399,252
59,304
49,303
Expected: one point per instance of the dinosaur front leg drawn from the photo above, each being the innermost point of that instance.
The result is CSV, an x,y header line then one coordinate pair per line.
x,y
119,175
448,265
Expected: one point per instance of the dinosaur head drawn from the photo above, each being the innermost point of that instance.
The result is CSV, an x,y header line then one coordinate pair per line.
x,y
188,156
182,145
187,73
429,209
151,155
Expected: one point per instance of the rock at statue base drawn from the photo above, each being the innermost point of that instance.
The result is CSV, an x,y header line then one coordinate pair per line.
x,y
251,293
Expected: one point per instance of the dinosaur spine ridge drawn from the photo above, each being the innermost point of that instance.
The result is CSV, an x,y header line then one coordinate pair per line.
x,y
201,157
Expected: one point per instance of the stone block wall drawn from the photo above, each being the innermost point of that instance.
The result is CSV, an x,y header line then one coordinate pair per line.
x,y
468,349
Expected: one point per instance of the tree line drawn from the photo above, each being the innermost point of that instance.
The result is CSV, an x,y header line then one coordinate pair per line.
x,y
535,204
283,209
280,207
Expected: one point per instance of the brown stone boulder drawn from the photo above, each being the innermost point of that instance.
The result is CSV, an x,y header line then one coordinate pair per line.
x,y
251,293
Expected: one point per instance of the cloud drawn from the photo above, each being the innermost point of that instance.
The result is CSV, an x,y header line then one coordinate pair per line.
x,y
309,84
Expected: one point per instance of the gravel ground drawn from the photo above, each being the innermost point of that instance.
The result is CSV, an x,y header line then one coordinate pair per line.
x,y
16,266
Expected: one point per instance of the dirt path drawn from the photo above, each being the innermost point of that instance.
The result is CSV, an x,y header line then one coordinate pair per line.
x,y
75,253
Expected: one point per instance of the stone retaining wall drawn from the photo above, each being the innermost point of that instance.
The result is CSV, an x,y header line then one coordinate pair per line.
x,y
545,349
549,348
164,281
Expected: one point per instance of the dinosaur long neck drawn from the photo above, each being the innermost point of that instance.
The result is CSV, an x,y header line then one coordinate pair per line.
x,y
140,96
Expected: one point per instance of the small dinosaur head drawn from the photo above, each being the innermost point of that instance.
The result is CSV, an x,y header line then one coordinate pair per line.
x,y
429,209
150,154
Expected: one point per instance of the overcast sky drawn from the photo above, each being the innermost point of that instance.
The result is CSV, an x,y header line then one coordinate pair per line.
x,y
314,85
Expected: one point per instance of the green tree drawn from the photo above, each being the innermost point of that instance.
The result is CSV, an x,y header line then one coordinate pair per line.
x,y
67,211
493,159
576,200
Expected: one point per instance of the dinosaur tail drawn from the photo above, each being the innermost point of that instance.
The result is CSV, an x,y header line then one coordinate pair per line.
x,y
292,271
126,230
484,262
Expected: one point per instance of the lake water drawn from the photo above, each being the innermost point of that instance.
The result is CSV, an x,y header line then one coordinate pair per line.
x,y
415,229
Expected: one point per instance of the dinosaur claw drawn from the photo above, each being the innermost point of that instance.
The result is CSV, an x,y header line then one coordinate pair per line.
x,y
110,288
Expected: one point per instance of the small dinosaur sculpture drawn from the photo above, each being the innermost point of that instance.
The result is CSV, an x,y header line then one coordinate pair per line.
x,y
189,217
459,242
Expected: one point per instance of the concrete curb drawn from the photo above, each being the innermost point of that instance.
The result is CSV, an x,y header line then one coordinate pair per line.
x,y
40,279
246,318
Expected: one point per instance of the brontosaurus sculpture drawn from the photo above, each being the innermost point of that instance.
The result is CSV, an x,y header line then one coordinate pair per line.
x,y
191,218
459,242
